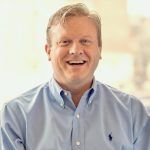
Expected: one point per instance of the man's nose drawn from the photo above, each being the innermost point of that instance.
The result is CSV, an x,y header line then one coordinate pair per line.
x,y
76,48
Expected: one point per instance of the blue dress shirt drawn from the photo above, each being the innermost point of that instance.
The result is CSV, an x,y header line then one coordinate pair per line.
x,y
45,118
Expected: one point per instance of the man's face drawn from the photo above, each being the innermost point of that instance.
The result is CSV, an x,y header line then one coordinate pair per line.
x,y
74,51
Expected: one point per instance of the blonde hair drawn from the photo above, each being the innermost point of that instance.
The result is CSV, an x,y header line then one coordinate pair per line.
x,y
79,9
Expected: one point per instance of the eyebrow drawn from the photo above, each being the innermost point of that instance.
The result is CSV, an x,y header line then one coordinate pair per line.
x,y
87,36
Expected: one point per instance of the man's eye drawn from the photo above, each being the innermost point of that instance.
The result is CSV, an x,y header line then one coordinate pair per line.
x,y
64,43
85,42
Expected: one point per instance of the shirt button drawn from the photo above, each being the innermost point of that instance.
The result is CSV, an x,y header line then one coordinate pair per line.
x,y
66,93
78,143
78,116
62,103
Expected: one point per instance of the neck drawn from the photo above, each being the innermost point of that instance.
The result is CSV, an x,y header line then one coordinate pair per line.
x,y
77,91
76,95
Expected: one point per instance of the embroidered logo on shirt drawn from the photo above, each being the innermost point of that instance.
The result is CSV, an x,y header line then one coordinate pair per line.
x,y
110,137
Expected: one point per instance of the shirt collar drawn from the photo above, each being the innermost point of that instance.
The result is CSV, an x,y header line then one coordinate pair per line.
x,y
58,92
91,91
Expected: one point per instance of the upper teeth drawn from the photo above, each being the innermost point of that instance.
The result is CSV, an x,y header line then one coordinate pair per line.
x,y
76,61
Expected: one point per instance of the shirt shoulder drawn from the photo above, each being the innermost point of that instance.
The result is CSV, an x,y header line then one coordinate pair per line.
x,y
116,95
26,99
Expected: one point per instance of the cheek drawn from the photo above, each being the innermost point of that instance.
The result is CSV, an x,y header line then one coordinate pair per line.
x,y
94,54
60,52
57,56
95,59
97,53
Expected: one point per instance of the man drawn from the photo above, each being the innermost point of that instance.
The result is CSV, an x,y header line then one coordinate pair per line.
x,y
73,111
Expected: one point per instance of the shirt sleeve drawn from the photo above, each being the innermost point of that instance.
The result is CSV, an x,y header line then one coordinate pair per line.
x,y
10,130
141,126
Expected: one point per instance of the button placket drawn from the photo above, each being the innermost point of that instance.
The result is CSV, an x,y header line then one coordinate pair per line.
x,y
77,143
78,116
78,121
76,128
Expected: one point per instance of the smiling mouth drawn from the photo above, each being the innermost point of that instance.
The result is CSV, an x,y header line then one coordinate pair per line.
x,y
76,62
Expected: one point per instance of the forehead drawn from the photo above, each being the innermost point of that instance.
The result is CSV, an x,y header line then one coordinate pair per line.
x,y
75,25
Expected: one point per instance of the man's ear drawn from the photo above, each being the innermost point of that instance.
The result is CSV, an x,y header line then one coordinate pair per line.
x,y
48,51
